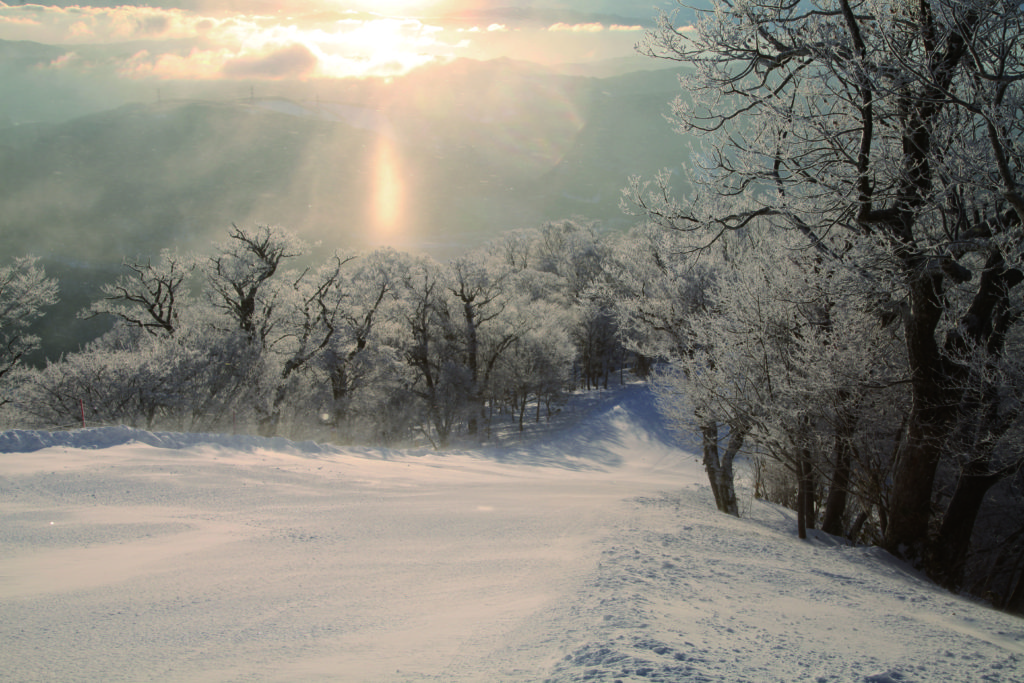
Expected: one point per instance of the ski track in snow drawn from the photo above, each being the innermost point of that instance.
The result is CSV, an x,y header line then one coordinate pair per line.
x,y
592,553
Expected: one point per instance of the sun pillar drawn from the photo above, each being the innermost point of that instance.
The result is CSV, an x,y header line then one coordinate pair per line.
x,y
388,193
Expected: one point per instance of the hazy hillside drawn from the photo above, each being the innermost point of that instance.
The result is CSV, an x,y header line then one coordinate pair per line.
x,y
141,177
458,153
478,148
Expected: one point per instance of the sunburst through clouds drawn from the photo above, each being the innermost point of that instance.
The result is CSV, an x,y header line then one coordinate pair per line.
x,y
393,138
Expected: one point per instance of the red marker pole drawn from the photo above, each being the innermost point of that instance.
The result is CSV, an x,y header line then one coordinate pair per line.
x,y
81,405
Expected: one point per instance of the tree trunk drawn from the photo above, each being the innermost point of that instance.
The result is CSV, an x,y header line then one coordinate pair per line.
x,y
984,325
728,484
936,401
472,359
910,505
948,557
1014,602
838,491
709,438
801,510
267,425
928,424
855,530
720,470
805,495
930,419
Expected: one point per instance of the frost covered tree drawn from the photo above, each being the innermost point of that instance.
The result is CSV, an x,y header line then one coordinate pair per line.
x,y
887,135
125,377
24,292
576,254
658,293
240,275
538,361
310,311
362,354
267,321
791,359
480,287
233,356
433,348
149,296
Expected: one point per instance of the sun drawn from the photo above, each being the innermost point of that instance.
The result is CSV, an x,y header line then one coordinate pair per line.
x,y
383,47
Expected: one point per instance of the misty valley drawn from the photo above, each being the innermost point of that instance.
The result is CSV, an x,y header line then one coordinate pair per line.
x,y
437,162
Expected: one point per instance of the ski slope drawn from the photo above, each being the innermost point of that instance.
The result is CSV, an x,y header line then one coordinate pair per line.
x,y
590,552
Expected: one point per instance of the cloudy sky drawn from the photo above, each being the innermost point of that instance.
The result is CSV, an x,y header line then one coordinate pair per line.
x,y
314,39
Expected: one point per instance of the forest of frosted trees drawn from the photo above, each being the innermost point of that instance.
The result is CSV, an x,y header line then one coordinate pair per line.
x,y
837,301
267,335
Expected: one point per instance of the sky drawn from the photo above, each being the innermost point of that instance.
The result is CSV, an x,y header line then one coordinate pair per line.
x,y
317,39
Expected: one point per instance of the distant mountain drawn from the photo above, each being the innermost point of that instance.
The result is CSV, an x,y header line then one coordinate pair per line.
x,y
457,154
607,68
54,83
478,148
546,16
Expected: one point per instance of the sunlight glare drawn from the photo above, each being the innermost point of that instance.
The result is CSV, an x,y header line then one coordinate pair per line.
x,y
377,47
388,193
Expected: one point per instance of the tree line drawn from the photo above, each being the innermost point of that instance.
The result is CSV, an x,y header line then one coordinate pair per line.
x,y
856,228
837,300
265,335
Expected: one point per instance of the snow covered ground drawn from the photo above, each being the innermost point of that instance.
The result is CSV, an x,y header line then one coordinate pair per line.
x,y
592,553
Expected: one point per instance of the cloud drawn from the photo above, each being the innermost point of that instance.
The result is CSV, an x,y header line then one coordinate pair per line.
x,y
493,28
65,61
56,25
206,39
19,21
292,61
196,65
240,49
594,27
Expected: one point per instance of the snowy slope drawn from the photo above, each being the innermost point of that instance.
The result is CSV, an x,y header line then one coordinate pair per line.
x,y
591,553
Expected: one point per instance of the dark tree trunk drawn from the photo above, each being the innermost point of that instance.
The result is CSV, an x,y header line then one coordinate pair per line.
x,y
720,469
948,558
736,437
858,524
805,495
838,492
1014,602
984,326
930,419
709,438
473,360
801,510
339,392
928,424
936,412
